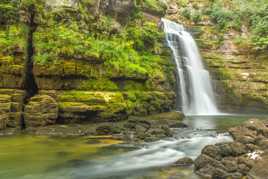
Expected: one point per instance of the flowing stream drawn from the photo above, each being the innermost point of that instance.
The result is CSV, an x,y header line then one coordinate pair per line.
x,y
32,157
195,87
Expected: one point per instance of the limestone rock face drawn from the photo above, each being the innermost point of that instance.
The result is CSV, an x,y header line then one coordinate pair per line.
x,y
5,107
236,159
41,110
10,100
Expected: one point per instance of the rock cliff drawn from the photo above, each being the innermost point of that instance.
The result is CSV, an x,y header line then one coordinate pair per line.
x,y
94,61
239,71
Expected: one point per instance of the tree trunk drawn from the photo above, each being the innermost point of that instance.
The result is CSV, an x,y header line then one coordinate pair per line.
x,y
28,80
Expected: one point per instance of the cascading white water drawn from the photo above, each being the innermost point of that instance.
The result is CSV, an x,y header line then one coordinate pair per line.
x,y
195,87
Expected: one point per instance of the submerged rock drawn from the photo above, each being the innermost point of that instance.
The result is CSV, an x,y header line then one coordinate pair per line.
x,y
133,130
236,159
186,161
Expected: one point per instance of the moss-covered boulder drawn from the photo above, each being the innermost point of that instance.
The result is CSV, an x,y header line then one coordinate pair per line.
x,y
90,106
97,106
41,110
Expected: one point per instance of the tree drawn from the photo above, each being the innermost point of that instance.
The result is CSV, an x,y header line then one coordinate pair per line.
x,y
30,11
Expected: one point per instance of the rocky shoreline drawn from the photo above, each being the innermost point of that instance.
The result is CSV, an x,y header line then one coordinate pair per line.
x,y
135,129
245,157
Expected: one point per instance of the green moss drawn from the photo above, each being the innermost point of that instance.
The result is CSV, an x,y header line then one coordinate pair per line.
x,y
80,107
11,38
91,97
143,103
114,105
99,84
166,115
97,57
132,85
155,6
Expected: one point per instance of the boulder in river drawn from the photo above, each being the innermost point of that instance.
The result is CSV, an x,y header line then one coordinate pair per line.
x,y
185,161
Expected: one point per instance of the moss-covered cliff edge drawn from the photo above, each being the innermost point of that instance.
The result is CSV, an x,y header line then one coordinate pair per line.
x,y
93,61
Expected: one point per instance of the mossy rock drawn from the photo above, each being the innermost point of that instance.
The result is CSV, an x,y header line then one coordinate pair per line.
x,y
5,109
103,105
91,97
4,98
91,106
41,110
167,116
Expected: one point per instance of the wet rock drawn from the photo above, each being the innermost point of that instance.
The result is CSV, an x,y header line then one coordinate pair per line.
x,y
262,143
179,125
235,159
186,161
170,116
104,130
230,163
5,109
243,168
41,110
259,169
219,173
258,126
212,151
237,148
243,135
107,129
204,160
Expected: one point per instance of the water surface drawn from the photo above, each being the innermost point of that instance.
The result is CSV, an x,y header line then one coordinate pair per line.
x,y
31,157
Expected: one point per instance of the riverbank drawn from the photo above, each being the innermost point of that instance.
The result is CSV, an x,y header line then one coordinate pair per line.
x,y
244,157
134,129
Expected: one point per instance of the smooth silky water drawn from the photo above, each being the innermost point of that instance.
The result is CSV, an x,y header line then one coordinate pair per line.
x,y
195,88
32,157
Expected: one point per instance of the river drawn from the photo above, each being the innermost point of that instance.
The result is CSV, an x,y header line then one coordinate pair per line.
x,y
31,157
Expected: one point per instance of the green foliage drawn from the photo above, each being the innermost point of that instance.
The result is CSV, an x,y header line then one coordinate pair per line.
x,y
182,3
61,40
146,38
99,84
11,38
131,51
194,15
8,12
253,14
224,17
129,54
260,28
155,6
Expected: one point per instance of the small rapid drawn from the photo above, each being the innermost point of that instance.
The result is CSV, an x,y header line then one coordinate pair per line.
x,y
155,154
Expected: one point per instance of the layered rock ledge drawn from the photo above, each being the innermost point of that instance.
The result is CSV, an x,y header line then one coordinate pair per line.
x,y
135,129
245,157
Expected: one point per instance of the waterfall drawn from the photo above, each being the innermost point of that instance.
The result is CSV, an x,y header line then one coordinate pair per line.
x,y
194,83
